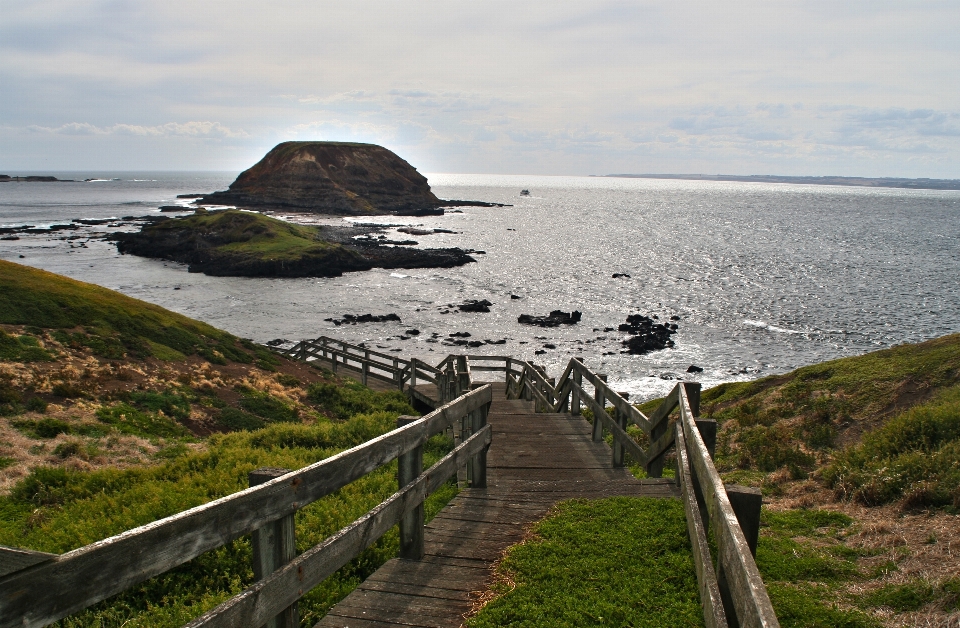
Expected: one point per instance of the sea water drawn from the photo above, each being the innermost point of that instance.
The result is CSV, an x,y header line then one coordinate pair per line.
x,y
763,277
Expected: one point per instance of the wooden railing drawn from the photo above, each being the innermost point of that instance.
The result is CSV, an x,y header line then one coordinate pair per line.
x,y
732,592
37,589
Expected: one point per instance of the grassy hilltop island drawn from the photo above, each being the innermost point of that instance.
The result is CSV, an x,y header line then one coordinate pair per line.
x,y
115,413
339,178
245,244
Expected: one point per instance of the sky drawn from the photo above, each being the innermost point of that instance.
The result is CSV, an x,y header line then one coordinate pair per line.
x,y
850,88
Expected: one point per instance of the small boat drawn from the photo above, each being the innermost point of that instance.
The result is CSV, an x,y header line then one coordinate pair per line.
x,y
524,192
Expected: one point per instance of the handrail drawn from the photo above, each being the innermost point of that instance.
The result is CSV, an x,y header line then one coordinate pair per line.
x,y
70,582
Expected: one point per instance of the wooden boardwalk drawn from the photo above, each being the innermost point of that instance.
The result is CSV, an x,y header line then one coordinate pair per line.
x,y
535,460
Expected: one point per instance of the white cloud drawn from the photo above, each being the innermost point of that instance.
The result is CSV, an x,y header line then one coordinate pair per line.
x,y
170,129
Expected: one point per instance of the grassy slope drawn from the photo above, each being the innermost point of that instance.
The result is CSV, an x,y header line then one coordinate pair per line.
x,y
236,232
43,300
103,434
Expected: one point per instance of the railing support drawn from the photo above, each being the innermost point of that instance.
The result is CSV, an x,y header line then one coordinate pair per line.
x,y
746,504
575,393
621,420
479,463
409,468
274,545
602,402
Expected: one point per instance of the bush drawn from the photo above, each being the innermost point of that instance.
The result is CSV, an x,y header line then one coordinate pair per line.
x,y
914,457
129,420
351,398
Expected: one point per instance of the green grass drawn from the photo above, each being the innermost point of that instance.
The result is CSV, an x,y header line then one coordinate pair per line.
x,y
914,457
113,325
56,509
234,232
805,569
612,562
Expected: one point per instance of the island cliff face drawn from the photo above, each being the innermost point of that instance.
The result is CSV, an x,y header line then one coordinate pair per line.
x,y
331,178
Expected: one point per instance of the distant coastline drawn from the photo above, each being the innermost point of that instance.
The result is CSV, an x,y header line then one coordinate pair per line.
x,y
882,182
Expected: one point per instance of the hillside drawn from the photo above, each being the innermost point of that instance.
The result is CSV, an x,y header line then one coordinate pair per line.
x,y
247,244
115,413
331,178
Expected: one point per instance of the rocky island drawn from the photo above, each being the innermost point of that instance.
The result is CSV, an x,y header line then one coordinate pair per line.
x,y
340,178
235,243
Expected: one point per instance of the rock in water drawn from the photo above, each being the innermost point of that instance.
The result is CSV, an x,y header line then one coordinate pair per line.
x,y
331,178
555,319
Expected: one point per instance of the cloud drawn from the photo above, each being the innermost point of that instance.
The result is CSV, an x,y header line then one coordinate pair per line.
x,y
170,129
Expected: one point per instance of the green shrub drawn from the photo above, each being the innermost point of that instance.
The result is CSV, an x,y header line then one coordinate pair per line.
x,y
170,403
37,404
351,397
914,456
129,420
24,348
236,420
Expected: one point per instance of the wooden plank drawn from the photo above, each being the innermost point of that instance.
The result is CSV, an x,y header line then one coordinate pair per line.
x,y
749,595
619,434
14,559
710,600
262,600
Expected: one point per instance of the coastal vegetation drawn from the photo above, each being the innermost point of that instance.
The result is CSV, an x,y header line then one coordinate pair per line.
x,y
115,413
249,244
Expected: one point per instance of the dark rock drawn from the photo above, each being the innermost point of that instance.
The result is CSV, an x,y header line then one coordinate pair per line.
x,y
647,336
352,319
539,352
10,238
670,376
92,221
175,208
415,232
475,306
475,343
619,275
190,195
555,319
693,368
674,318
514,296
549,346
625,395
276,342
460,334
412,332
502,341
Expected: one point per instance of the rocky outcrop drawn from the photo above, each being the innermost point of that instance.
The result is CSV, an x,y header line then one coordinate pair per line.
x,y
555,319
245,244
647,335
331,178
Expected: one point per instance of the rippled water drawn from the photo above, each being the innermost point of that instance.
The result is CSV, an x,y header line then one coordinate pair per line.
x,y
765,277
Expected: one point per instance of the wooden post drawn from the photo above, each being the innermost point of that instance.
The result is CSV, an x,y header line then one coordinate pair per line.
x,y
708,431
575,393
746,504
274,545
365,368
409,468
413,373
602,401
396,374
479,467
693,396
618,450
333,360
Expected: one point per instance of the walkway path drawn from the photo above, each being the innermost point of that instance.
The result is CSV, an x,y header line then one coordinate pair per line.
x,y
535,460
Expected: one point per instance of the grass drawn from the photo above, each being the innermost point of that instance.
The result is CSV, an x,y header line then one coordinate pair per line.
x,y
56,510
234,232
914,458
612,562
110,324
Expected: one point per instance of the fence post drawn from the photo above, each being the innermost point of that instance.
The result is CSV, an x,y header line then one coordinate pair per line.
x,y
365,369
746,504
618,451
274,545
575,392
409,467
396,374
602,401
333,360
413,373
479,468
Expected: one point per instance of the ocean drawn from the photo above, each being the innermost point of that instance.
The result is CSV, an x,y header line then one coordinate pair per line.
x,y
763,277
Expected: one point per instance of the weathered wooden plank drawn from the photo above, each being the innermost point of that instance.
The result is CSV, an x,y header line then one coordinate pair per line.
x,y
710,600
634,415
749,595
263,599
619,434
413,586
14,559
